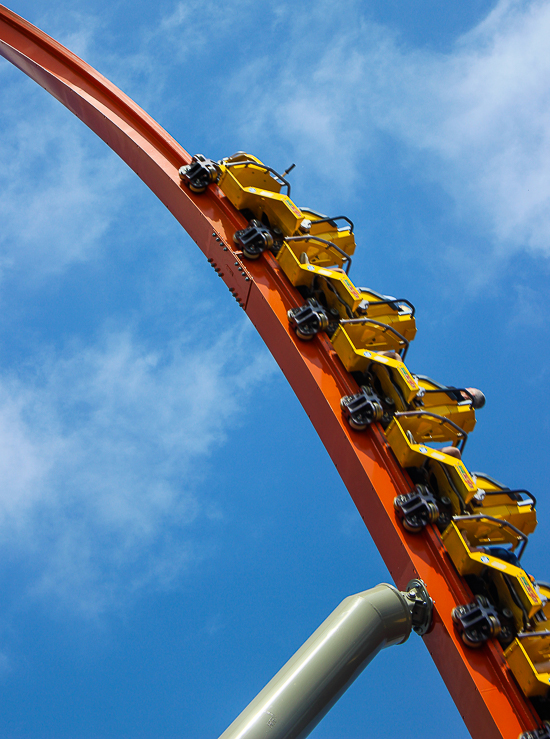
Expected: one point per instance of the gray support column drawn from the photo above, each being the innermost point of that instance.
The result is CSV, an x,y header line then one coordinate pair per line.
x,y
305,689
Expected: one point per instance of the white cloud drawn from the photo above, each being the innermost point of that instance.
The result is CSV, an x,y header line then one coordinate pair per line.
x,y
60,190
100,443
99,451
475,120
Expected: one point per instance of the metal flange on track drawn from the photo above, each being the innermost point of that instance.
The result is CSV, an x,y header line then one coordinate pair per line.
x,y
482,687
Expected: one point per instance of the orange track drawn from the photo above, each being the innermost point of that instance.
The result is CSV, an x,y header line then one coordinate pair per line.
x,y
482,687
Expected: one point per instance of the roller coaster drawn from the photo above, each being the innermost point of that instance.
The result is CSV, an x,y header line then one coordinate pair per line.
x,y
396,438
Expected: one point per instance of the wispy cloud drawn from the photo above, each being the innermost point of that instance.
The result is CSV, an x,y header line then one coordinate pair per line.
x,y
474,120
100,435
98,459
51,221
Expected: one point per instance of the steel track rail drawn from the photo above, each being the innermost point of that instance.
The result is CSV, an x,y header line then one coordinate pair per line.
x,y
479,682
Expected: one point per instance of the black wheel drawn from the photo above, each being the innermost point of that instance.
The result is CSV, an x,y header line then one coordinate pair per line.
x,y
303,336
251,254
494,625
434,513
197,187
357,426
470,642
412,528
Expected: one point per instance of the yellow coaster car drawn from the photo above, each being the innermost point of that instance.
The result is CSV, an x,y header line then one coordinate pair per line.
x,y
252,186
263,196
307,320
355,339
456,404
487,552
443,485
528,656
295,257
300,259
319,269
326,228
408,434
360,344
496,500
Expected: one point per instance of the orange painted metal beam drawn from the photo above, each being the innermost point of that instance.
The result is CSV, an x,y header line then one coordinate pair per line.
x,y
480,683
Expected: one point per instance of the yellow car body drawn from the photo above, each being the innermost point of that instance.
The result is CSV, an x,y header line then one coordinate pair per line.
x,y
529,657
302,273
437,399
359,345
327,229
465,541
408,434
494,499
251,186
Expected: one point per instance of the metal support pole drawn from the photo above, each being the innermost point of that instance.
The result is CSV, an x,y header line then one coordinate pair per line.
x,y
310,683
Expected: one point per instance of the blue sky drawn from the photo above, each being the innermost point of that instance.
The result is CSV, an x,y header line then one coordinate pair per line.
x,y
171,529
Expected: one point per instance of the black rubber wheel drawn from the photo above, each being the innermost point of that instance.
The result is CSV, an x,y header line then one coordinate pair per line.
x,y
434,513
357,426
304,337
251,254
411,528
495,625
469,643
197,189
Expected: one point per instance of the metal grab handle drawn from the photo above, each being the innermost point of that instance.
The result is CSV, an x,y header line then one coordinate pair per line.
x,y
390,301
260,166
463,436
510,493
335,218
503,490
326,243
448,389
502,523
530,634
384,326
